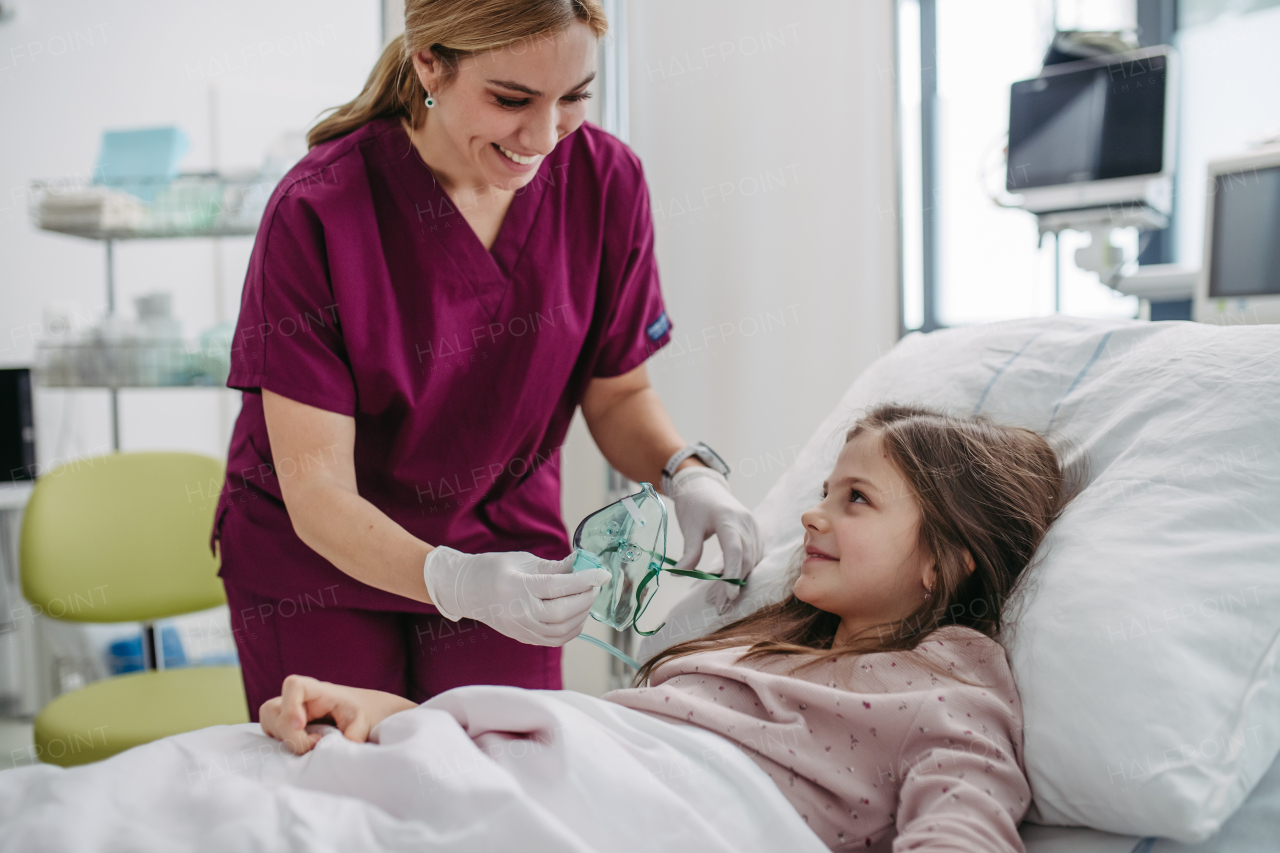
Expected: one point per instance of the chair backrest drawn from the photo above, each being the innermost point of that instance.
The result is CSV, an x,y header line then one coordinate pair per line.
x,y
122,538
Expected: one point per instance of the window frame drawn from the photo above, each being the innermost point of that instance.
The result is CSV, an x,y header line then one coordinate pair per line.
x,y
1157,24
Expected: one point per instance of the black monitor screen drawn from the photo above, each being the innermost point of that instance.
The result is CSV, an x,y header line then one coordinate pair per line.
x,y
1246,219
17,438
1097,122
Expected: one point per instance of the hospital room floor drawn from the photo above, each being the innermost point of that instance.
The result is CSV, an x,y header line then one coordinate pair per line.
x,y
15,735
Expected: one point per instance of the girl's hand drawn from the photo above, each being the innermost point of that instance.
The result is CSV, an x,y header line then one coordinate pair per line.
x,y
354,710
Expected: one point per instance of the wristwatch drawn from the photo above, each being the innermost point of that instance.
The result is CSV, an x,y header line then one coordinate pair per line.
x,y
706,454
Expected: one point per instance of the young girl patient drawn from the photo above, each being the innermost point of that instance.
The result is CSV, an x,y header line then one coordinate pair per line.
x,y
873,695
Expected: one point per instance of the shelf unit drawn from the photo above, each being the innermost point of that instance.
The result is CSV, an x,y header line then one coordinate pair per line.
x,y
202,205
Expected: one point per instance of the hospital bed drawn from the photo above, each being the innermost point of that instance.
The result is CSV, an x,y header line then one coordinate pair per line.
x,y
1145,651
1146,646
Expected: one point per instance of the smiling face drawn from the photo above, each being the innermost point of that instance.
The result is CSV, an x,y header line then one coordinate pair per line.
x,y
505,110
863,560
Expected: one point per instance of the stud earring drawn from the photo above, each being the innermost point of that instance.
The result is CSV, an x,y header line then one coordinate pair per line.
x,y
928,593
429,101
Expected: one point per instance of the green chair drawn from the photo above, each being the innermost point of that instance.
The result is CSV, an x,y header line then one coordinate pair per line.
x,y
124,538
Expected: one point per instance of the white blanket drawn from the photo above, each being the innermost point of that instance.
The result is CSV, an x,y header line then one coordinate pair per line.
x,y
473,769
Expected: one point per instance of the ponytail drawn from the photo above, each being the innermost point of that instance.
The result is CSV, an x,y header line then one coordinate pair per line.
x,y
388,91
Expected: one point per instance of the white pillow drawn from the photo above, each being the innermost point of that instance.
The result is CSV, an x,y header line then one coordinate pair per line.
x,y
1146,649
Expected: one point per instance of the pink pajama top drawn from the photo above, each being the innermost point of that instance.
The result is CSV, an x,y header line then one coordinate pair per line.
x,y
873,750
369,295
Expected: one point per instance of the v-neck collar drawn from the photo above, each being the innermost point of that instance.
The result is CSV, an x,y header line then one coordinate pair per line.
x,y
488,271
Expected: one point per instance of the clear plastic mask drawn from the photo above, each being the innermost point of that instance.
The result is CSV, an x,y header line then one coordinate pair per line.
x,y
629,539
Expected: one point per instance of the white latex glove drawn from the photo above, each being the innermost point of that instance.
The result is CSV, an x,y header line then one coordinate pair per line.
x,y
704,506
536,601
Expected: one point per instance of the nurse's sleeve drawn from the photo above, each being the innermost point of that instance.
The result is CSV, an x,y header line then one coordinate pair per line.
x,y
288,338
636,325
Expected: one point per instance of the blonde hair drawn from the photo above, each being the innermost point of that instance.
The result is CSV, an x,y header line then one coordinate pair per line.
x,y
451,30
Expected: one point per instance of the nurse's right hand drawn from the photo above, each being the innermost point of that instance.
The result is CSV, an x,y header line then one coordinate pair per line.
x,y
536,601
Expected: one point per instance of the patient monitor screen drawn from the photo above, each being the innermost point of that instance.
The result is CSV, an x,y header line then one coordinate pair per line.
x,y
1246,221
1096,122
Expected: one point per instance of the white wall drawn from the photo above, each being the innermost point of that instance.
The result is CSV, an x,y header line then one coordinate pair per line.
x,y
767,134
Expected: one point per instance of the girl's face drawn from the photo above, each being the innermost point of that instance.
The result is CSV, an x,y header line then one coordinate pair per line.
x,y
506,109
863,561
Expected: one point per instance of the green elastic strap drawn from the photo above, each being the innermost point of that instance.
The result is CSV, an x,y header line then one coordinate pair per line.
x,y
652,575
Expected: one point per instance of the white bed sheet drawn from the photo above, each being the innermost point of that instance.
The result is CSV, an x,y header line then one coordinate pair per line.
x,y
1252,829
477,768
1076,839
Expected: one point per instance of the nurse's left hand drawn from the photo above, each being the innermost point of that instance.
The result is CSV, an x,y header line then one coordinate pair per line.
x,y
704,506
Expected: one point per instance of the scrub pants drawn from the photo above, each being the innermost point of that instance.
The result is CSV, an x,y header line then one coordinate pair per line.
x,y
415,655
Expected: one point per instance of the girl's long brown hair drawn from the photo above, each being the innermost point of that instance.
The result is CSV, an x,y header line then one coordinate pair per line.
x,y
987,489
450,29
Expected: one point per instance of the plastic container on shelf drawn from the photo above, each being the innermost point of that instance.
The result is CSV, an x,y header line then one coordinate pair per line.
x,y
127,363
161,354
198,204
213,362
134,362
121,353
188,203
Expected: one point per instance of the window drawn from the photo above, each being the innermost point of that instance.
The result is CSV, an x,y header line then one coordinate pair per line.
x,y
965,259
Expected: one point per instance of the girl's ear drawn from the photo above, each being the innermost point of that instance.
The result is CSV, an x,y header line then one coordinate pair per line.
x,y
930,578
931,572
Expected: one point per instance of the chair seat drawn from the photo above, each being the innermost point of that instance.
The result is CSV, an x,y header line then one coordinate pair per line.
x,y
110,716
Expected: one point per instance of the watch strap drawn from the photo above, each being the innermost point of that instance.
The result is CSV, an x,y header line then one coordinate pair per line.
x,y
708,456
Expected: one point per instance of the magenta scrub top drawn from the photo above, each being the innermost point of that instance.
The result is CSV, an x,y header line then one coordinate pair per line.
x,y
368,294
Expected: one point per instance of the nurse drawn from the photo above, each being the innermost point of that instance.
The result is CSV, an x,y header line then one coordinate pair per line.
x,y
457,264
